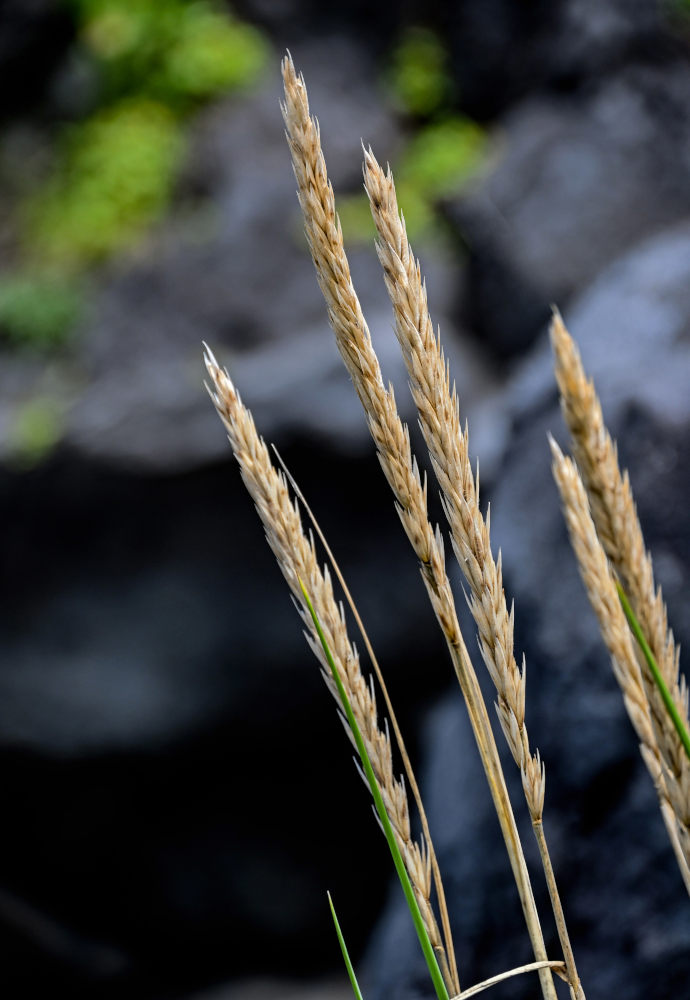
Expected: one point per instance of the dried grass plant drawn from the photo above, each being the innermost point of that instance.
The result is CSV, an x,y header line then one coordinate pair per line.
x,y
601,519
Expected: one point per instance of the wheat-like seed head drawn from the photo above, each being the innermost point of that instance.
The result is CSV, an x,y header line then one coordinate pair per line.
x,y
603,596
296,556
618,527
447,440
611,499
390,435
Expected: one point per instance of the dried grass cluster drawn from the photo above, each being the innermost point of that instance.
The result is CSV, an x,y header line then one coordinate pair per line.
x,y
600,515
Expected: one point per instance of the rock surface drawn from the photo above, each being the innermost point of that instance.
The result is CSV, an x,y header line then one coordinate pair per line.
x,y
578,180
502,50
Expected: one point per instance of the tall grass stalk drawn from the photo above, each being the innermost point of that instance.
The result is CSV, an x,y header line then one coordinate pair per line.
x,y
413,906
445,956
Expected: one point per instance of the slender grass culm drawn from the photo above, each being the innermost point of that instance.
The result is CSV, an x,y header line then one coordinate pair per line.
x,y
604,531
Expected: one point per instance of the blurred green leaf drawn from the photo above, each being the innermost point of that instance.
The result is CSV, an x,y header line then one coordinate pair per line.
x,y
443,156
114,178
114,173
36,430
355,218
212,54
410,897
172,50
38,311
418,76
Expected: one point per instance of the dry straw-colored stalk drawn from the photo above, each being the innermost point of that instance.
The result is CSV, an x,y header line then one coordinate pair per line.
x,y
354,342
603,596
618,527
296,556
393,447
447,441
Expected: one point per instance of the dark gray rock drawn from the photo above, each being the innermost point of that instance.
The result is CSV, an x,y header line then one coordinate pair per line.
x,y
164,727
34,37
577,183
501,50
294,21
626,905
498,50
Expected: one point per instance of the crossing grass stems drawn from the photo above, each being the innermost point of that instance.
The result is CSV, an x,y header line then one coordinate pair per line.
x,y
604,530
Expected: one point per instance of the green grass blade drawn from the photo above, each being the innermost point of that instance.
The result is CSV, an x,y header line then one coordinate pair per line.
x,y
681,729
343,948
427,948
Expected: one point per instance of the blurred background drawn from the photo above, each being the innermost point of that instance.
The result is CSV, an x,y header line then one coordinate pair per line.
x,y
177,792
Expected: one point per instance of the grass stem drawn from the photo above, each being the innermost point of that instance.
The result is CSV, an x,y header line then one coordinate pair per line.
x,y
427,948
343,947
666,697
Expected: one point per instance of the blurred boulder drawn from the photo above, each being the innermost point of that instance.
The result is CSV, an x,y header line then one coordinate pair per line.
x,y
165,733
501,50
34,37
576,183
625,902
294,21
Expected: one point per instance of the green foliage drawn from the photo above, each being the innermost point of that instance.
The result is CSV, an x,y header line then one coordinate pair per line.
x,y
355,218
36,430
114,177
212,55
438,161
358,225
115,170
174,51
153,61
443,153
37,311
442,156
418,76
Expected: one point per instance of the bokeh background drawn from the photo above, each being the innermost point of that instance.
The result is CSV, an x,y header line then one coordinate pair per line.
x,y
177,794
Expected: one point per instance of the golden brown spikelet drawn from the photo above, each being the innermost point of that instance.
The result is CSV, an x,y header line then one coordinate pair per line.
x,y
447,441
603,596
618,527
296,557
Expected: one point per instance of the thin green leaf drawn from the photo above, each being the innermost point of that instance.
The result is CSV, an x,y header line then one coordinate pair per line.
x,y
427,948
681,729
343,948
